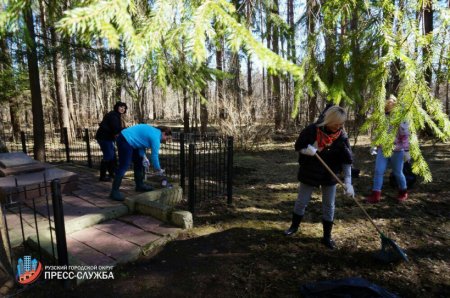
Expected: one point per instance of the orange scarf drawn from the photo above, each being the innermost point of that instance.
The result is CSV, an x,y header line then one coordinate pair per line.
x,y
325,140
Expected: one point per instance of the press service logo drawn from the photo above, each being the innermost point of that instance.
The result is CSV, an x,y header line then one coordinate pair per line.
x,y
28,270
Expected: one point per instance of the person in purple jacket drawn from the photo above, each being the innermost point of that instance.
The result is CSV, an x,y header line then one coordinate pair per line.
x,y
131,144
398,157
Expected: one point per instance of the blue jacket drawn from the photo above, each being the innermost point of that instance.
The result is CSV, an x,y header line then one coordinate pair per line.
x,y
142,136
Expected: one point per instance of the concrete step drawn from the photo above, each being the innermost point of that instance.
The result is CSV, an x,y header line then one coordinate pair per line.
x,y
86,208
112,242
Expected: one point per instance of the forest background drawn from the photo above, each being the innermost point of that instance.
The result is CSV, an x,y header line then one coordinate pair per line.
x,y
246,68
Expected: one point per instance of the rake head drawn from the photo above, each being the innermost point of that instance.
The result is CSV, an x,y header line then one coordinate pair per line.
x,y
390,252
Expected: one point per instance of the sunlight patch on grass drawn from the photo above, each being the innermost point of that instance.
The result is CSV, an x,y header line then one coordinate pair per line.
x,y
205,230
283,186
258,210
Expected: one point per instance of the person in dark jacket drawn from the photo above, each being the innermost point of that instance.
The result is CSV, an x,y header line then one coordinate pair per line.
x,y
329,140
110,127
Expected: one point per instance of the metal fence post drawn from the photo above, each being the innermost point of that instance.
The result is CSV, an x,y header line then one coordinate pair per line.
x,y
191,195
230,170
60,230
66,143
24,142
88,147
182,163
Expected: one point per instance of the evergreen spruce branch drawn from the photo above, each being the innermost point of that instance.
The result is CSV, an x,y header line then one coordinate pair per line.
x,y
10,16
419,166
268,58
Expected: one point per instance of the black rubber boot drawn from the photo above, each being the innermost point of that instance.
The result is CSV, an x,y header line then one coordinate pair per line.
x,y
112,168
326,240
115,194
139,180
103,167
296,220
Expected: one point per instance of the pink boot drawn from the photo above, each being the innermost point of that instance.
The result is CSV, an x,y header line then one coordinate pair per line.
x,y
375,197
402,195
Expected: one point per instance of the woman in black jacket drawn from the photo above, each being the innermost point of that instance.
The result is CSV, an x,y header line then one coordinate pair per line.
x,y
327,139
110,127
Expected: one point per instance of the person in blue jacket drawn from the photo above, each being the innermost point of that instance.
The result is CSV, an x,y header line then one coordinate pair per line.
x,y
131,145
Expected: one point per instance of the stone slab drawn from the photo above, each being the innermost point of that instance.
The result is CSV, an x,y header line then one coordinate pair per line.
x,y
87,254
88,220
15,159
127,232
154,209
150,224
110,245
102,202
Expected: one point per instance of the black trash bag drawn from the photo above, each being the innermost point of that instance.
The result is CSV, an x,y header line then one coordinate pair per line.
x,y
411,178
353,287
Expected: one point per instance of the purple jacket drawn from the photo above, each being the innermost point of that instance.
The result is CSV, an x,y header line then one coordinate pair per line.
x,y
402,139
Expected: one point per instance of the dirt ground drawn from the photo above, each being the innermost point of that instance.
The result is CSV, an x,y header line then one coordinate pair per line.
x,y
240,250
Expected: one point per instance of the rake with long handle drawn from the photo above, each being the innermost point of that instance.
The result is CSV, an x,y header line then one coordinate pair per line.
x,y
386,243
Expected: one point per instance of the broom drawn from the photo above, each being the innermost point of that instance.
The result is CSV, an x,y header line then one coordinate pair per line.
x,y
390,251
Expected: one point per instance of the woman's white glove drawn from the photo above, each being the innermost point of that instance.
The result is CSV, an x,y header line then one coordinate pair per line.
x,y
349,191
145,162
310,150
373,151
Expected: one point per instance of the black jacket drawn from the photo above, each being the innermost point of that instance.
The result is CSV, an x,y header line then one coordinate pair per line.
x,y
110,126
311,171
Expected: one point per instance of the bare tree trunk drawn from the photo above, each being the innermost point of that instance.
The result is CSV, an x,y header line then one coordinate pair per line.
x,y
36,100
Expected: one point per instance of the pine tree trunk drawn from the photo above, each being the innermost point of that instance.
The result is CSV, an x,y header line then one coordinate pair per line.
x,y
60,84
251,102
185,111
292,56
14,109
312,8
118,74
104,84
73,98
269,77
447,101
36,99
428,28
219,81
276,78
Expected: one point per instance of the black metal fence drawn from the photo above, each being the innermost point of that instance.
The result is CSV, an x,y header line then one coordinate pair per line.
x,y
32,218
201,163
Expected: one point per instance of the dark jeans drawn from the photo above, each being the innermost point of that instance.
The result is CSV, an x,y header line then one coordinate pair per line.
x,y
108,150
126,155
